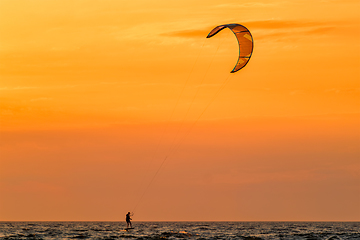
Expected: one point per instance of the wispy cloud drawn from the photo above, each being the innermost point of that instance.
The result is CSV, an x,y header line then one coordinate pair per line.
x,y
321,30
268,28
247,5
40,99
340,1
35,87
24,88
17,88
187,33
345,90
288,24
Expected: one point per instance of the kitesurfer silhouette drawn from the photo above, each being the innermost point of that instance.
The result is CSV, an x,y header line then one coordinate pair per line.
x,y
128,218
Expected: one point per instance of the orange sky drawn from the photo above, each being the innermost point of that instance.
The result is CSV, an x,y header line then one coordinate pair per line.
x,y
90,107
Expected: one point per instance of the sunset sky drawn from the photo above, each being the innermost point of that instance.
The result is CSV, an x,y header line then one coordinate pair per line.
x,y
95,94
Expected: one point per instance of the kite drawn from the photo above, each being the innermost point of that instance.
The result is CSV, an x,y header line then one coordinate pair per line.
x,y
244,39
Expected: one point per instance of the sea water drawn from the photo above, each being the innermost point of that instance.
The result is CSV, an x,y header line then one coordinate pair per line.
x,y
180,230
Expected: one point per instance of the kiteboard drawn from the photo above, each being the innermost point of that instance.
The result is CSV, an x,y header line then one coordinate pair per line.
x,y
127,229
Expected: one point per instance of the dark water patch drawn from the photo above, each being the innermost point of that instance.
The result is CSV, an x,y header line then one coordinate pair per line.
x,y
205,229
126,236
252,238
101,230
34,236
308,236
81,236
334,238
15,236
79,230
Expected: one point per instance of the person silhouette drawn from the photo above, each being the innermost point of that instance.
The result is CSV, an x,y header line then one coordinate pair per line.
x,y
128,222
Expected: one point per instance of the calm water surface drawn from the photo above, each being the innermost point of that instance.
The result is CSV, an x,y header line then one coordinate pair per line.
x,y
180,230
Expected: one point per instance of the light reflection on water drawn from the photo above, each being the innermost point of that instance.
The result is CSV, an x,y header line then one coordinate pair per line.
x,y
180,230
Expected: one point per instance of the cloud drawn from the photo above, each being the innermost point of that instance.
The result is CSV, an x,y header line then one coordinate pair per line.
x,y
266,28
187,33
321,30
340,1
40,99
24,88
344,91
283,30
283,24
246,5
35,87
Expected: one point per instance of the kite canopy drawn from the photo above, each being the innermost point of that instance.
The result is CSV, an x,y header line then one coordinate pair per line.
x,y
244,39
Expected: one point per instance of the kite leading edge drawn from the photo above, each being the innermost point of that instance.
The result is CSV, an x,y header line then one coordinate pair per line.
x,y
245,41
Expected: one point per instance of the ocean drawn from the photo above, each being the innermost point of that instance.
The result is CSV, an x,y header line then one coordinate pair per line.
x,y
181,230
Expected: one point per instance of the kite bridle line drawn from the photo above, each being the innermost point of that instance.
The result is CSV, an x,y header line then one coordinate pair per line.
x,y
175,149
174,146
166,127
195,96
